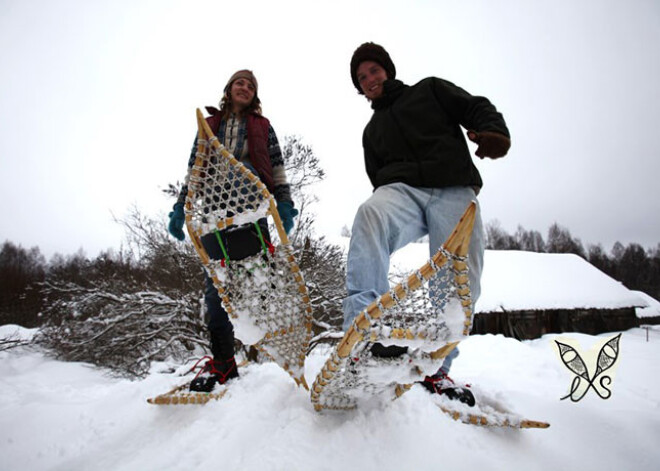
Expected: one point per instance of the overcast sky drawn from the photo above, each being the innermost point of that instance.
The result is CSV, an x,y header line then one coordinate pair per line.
x,y
97,103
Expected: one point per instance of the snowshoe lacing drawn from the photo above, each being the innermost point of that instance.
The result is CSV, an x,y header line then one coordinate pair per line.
x,y
221,193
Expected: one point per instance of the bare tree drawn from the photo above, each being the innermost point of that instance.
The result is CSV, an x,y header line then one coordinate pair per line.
x,y
530,241
20,269
122,311
498,239
561,241
324,268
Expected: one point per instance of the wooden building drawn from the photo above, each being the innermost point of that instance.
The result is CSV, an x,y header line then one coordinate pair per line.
x,y
526,295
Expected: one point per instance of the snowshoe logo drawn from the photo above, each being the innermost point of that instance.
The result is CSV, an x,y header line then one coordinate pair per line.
x,y
604,359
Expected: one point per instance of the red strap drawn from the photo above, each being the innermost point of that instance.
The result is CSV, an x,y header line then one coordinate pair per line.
x,y
208,358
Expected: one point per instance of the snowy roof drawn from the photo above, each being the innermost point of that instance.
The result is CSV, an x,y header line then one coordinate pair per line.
x,y
653,308
516,280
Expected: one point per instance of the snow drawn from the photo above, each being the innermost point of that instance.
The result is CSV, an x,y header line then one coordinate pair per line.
x,y
548,281
652,308
69,416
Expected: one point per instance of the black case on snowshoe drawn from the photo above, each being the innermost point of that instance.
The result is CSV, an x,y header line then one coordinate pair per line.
x,y
240,241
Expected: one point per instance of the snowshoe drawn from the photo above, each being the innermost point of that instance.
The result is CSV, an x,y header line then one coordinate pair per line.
x,y
212,373
440,383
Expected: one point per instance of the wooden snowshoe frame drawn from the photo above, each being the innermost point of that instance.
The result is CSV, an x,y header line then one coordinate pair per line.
x,y
485,421
454,251
181,396
212,205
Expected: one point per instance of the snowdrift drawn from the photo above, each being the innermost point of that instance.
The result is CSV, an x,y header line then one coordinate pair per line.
x,y
69,416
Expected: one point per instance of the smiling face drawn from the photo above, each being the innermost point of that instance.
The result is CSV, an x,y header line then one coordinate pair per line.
x,y
242,93
370,76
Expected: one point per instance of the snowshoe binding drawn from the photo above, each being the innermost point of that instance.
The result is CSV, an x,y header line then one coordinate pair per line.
x,y
392,351
440,383
213,372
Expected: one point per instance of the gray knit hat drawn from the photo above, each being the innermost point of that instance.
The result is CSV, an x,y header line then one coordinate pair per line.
x,y
246,74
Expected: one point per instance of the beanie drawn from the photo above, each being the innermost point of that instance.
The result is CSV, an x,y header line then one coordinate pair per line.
x,y
246,74
371,52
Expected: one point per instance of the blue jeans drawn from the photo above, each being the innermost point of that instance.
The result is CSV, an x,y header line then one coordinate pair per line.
x,y
395,215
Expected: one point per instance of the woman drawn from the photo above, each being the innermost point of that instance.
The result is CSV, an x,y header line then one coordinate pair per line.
x,y
241,128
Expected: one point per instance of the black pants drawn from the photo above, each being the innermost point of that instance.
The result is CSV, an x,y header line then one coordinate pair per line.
x,y
239,243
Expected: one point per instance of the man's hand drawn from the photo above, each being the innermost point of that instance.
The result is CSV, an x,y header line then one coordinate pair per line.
x,y
491,144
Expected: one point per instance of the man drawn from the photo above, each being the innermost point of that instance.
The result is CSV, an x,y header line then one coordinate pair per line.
x,y
423,177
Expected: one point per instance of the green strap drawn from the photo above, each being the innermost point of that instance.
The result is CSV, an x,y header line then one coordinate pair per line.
x,y
261,238
222,246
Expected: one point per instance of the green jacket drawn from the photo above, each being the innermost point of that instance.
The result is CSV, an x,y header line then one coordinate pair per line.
x,y
415,136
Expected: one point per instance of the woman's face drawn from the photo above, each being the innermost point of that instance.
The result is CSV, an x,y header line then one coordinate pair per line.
x,y
241,93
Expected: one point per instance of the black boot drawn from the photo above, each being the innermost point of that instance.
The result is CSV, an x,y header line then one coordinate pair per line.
x,y
440,383
214,371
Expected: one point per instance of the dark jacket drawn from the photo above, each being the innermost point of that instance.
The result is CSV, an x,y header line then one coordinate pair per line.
x,y
415,136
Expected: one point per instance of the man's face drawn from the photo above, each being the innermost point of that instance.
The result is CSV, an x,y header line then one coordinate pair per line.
x,y
370,76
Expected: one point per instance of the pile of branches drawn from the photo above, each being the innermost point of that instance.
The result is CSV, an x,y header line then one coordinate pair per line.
x,y
123,332
10,342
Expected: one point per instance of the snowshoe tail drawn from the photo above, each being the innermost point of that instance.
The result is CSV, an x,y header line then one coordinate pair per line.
x,y
181,395
491,420
177,397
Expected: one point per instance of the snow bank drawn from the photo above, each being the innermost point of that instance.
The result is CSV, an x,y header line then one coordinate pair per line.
x,y
16,332
68,416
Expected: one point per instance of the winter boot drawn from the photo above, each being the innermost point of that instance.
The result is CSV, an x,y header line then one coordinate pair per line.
x,y
440,383
213,371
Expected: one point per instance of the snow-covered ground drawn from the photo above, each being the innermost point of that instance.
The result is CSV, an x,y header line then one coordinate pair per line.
x,y
68,416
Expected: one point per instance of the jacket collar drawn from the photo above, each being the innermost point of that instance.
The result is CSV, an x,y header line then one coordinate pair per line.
x,y
392,89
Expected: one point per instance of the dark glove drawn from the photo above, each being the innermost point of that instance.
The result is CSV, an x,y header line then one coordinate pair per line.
x,y
491,144
177,219
287,213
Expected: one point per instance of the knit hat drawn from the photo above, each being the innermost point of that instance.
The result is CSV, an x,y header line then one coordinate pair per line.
x,y
371,52
246,74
